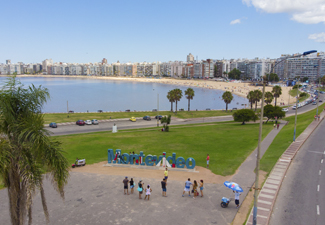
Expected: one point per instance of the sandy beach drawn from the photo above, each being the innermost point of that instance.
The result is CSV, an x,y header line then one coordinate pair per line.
x,y
240,89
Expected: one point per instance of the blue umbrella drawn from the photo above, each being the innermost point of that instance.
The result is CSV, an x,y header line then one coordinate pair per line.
x,y
233,186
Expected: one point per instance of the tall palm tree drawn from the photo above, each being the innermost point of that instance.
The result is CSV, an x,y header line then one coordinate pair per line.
x,y
178,94
251,99
257,97
268,97
277,91
26,150
171,98
227,98
189,95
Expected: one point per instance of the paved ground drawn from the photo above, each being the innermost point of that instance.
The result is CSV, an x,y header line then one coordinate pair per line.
x,y
301,199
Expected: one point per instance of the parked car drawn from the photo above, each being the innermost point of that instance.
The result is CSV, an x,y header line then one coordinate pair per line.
x,y
285,109
294,107
147,118
314,103
94,121
133,119
156,117
53,125
88,122
80,122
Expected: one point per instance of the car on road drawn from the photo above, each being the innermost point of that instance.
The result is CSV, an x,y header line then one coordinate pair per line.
x,y
80,122
53,125
285,109
133,119
320,100
322,92
156,117
294,107
314,103
147,118
88,122
94,121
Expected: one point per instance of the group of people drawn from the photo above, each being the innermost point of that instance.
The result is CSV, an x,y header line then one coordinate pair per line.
x,y
147,189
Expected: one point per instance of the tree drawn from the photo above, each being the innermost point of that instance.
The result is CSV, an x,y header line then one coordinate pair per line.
x,y
304,79
225,74
257,97
251,99
244,115
178,94
268,97
234,74
227,98
272,77
165,121
26,149
189,95
277,91
270,112
295,86
322,80
171,98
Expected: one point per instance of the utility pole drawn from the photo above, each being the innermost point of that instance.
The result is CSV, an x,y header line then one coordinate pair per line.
x,y
157,110
294,131
68,108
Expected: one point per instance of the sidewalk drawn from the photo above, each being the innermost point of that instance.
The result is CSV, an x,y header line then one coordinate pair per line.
x,y
269,191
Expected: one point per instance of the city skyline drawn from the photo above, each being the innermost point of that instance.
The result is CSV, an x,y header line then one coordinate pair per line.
x,y
149,31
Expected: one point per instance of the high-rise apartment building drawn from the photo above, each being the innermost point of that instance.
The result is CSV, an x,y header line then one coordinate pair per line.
x,y
190,58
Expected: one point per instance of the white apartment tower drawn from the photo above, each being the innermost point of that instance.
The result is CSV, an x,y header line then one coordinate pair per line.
x,y
190,58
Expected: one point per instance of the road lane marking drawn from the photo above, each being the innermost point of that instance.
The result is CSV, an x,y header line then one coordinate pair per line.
x,y
320,172
321,161
317,187
318,210
315,152
324,152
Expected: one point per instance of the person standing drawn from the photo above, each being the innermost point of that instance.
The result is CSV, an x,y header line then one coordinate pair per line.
x,y
195,189
126,186
140,188
132,185
164,187
188,184
201,187
208,160
166,174
148,192
278,125
274,125
237,198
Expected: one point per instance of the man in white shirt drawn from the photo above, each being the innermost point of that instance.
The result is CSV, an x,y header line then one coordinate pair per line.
x,y
188,184
237,198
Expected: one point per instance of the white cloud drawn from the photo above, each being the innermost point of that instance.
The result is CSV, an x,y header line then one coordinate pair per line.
x,y
235,21
302,11
320,37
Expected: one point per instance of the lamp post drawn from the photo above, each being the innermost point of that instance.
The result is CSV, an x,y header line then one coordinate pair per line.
x,y
260,137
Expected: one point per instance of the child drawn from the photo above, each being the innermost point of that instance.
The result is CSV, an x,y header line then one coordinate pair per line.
x,y
140,189
148,192
132,185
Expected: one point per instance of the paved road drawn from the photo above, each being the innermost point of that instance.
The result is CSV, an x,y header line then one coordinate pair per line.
x,y
107,126
301,199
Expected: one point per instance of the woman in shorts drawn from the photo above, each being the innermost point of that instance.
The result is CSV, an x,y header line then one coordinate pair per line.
x,y
201,187
140,188
132,185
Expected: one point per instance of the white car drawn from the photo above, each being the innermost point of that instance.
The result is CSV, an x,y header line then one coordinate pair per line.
x,y
285,109
294,107
95,122
88,122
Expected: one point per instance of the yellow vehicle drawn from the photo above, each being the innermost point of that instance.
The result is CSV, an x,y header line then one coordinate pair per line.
x,y
133,119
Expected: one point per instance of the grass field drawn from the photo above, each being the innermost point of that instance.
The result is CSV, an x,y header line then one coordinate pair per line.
x,y
293,93
285,138
227,144
73,117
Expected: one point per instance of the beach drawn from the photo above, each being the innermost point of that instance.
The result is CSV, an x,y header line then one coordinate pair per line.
x,y
237,88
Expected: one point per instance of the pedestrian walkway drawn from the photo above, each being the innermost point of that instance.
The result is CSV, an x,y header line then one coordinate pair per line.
x,y
271,187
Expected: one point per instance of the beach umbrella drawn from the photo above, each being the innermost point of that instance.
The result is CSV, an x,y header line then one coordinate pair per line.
x,y
233,186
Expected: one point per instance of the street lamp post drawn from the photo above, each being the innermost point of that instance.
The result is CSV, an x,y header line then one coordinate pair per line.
x,y
297,100
260,137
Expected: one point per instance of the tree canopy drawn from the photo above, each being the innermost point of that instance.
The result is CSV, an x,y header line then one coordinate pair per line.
x,y
244,115
227,98
26,149
178,94
189,95
270,112
277,91
268,97
257,97
272,77
234,74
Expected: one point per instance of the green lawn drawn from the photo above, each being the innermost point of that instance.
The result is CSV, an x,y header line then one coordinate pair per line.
x,y
73,117
227,144
293,93
285,138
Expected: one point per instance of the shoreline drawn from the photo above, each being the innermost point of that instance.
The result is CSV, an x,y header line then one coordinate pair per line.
x,y
239,89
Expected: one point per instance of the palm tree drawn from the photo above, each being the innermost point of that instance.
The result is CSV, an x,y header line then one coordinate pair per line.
x,y
257,97
251,98
26,150
277,91
268,97
178,94
189,95
171,98
227,98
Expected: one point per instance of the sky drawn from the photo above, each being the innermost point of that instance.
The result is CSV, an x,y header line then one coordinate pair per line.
x,y
141,30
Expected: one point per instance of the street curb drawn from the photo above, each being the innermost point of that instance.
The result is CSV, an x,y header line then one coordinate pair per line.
x,y
269,192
